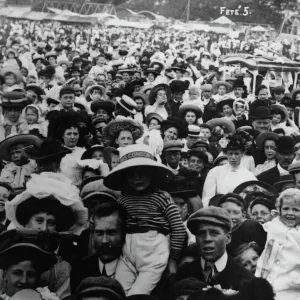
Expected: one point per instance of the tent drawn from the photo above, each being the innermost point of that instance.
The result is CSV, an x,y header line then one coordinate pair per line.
x,y
258,29
223,20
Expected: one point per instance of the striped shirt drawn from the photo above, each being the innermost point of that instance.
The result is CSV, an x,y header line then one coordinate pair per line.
x,y
155,211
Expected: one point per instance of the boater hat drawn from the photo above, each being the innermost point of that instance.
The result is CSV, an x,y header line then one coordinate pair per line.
x,y
133,156
127,103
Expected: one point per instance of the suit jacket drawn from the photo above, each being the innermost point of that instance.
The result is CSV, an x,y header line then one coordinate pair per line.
x,y
232,277
271,176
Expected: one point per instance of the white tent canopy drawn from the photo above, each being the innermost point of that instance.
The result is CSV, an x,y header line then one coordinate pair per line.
x,y
223,20
258,28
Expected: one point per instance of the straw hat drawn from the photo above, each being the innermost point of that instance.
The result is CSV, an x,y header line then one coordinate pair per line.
x,y
136,156
12,69
227,85
229,126
127,103
93,87
186,107
282,109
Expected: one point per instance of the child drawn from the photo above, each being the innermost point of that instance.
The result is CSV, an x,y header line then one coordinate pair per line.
x,y
280,260
205,133
12,78
151,217
241,110
33,120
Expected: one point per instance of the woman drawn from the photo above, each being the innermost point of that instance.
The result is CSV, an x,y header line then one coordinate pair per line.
x,y
122,132
224,179
190,113
266,142
158,98
247,256
173,128
225,107
50,203
151,74
23,260
103,109
222,89
141,101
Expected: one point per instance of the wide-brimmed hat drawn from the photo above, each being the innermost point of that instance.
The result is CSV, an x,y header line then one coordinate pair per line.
x,y
179,67
284,179
260,112
224,123
37,57
36,89
108,106
146,88
107,152
186,107
51,54
63,62
142,96
282,109
175,122
48,148
12,69
14,243
151,116
17,99
21,139
133,156
288,102
227,85
199,154
153,71
90,89
157,62
48,72
294,93
87,154
221,104
114,127
127,103
278,89
262,137
129,71
154,91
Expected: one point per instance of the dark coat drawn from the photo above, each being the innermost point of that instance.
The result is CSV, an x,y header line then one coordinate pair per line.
x,y
232,277
271,176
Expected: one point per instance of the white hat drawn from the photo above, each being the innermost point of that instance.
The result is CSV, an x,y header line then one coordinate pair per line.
x,y
127,103
194,130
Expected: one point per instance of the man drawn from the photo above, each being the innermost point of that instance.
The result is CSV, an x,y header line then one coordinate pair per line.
x,y
278,92
261,118
285,155
212,227
109,237
210,105
172,153
294,169
239,88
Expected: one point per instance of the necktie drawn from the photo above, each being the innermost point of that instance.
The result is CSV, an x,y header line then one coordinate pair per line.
x,y
208,272
104,271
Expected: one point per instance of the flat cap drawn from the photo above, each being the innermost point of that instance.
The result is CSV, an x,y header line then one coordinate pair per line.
x,y
294,168
173,145
279,89
199,144
210,214
66,90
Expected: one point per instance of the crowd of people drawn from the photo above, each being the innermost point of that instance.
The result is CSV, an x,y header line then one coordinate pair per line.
x,y
136,165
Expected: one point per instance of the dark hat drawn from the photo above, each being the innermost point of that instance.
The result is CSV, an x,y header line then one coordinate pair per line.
x,y
260,112
48,71
284,179
261,87
239,83
141,297
153,71
151,116
155,89
278,90
101,287
138,95
221,104
22,243
178,86
14,99
36,89
288,102
48,148
177,123
199,144
235,198
66,90
107,152
280,109
212,215
198,153
214,201
262,137
89,152
263,201
173,145
204,125
179,67
285,145
108,106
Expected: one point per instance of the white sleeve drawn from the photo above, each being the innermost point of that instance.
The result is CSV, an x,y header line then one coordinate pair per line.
x,y
210,188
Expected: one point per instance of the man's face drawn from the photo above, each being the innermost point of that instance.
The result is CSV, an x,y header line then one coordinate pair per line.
x,y
284,159
173,158
101,80
207,94
238,92
190,140
108,237
278,97
212,241
67,100
262,125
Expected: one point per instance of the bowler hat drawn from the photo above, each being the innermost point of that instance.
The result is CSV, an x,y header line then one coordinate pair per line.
x,y
260,112
285,145
212,215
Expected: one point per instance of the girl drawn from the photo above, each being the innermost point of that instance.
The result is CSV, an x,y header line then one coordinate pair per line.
x,y
190,113
151,217
33,120
280,260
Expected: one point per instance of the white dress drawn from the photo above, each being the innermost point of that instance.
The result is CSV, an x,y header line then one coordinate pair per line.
x,y
224,179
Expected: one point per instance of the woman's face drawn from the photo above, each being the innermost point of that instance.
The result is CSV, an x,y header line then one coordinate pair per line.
x,y
71,137
261,214
270,149
102,113
150,77
214,80
222,90
101,61
298,97
234,157
235,211
153,123
140,104
19,277
13,114
42,222
276,119
190,117
171,134
125,138
249,260
227,110
161,97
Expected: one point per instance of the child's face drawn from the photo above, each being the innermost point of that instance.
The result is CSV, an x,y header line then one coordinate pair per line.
x,y
227,110
240,108
10,79
184,162
222,90
31,116
182,207
190,117
276,119
139,179
205,134
290,212
115,160
17,155
97,155
153,123
235,211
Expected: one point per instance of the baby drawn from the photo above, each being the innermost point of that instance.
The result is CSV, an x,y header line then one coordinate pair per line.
x,y
280,260
10,82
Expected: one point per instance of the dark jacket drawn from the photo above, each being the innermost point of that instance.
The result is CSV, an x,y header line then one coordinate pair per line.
x,y
232,277
271,176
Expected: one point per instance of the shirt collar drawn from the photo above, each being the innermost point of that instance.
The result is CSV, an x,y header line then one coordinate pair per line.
x,y
220,264
109,267
282,171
